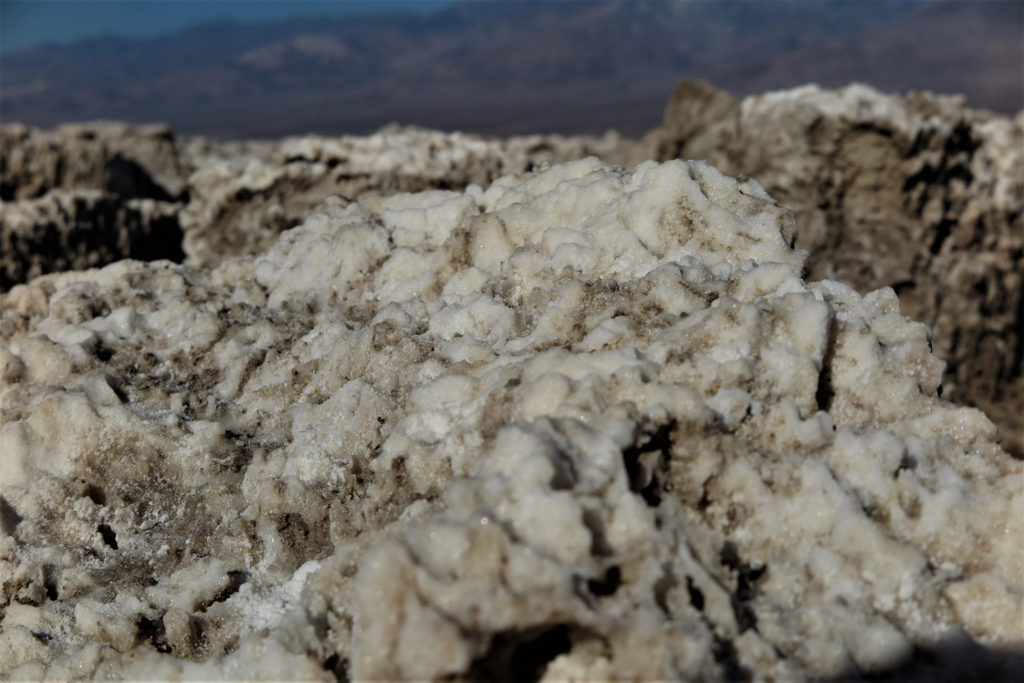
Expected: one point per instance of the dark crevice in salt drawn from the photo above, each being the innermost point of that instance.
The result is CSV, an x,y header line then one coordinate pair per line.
x,y
645,463
108,535
521,655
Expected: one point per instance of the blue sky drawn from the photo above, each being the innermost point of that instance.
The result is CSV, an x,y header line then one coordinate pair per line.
x,y
26,23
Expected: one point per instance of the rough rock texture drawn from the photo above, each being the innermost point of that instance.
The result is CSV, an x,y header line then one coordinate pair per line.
x,y
244,196
125,160
235,197
79,229
587,423
921,193
85,195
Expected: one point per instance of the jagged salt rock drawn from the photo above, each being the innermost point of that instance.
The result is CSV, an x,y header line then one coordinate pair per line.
x,y
919,192
587,422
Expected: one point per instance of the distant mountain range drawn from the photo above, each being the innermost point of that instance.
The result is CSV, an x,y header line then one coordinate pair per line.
x,y
514,67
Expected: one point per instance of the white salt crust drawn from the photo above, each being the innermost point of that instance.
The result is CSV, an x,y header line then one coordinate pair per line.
x,y
595,407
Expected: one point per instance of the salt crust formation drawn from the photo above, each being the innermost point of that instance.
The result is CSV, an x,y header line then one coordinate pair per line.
x,y
125,160
229,197
78,229
921,193
589,422
85,195
242,201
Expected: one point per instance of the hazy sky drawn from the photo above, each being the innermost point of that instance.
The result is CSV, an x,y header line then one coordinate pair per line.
x,y
26,23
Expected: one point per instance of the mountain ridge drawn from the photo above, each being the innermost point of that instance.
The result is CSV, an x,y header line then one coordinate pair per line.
x,y
500,67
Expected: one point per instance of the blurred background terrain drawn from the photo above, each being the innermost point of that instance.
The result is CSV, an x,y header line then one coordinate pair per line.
x,y
240,69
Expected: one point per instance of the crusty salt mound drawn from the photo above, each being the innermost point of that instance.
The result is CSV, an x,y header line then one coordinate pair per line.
x,y
921,193
243,198
587,423
70,198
